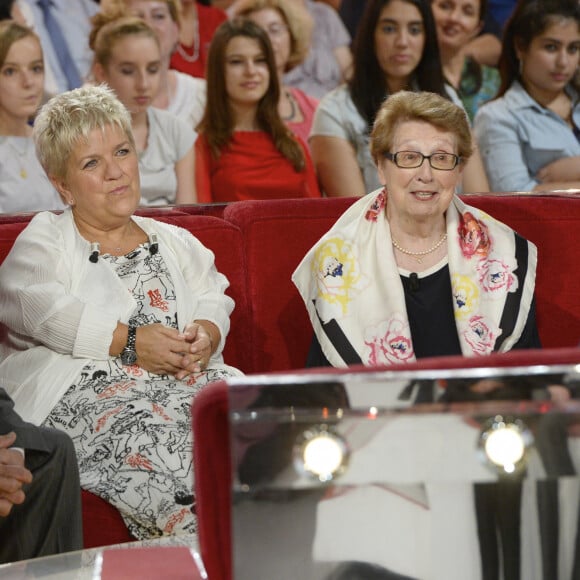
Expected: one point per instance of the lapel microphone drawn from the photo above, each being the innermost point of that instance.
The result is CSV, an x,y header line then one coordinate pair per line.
x,y
414,282
96,248
95,251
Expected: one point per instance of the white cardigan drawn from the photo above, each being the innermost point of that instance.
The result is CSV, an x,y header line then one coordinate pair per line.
x,y
58,309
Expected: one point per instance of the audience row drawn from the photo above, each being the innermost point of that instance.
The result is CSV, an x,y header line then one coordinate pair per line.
x,y
242,132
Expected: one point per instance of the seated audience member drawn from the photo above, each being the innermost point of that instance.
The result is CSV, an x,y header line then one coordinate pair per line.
x,y
23,183
289,31
179,93
244,149
198,25
63,27
111,323
128,59
458,22
329,60
529,135
410,271
339,138
485,48
40,501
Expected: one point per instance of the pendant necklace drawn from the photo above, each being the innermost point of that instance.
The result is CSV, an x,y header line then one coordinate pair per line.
x,y
292,107
418,256
20,155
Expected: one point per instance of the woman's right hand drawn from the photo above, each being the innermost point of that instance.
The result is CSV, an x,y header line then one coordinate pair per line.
x,y
160,349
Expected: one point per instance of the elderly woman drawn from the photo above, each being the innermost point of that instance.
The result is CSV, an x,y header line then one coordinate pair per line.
x,y
410,271
111,323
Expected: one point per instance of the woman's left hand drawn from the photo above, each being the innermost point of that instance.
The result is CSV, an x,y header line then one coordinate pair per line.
x,y
200,351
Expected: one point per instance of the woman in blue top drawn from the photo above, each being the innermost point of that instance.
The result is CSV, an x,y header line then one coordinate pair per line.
x,y
529,136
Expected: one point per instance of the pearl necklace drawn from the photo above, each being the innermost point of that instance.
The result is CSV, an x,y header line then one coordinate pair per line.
x,y
186,57
418,256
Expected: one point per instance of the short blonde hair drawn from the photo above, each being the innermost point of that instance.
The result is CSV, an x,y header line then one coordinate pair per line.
x,y
423,106
71,116
299,23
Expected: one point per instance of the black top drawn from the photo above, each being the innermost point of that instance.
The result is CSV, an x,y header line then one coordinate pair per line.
x,y
429,305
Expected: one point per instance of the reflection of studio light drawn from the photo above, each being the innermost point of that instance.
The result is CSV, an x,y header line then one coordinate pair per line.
x,y
321,453
504,443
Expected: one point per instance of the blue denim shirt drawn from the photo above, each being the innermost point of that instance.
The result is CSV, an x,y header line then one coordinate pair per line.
x,y
517,137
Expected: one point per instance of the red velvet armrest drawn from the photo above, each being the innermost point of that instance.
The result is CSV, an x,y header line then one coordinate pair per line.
x,y
212,462
102,523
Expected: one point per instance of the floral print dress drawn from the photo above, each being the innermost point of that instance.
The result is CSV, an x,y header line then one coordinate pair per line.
x,y
131,428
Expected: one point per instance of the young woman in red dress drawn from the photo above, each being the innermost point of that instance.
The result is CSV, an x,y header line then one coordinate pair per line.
x,y
244,149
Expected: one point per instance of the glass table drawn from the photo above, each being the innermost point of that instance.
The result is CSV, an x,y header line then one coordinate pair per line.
x,y
87,564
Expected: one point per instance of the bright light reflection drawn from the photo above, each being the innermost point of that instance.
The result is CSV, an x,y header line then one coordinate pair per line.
x,y
505,447
323,456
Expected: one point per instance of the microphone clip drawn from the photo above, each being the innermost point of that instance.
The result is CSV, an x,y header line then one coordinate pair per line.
x,y
95,251
414,282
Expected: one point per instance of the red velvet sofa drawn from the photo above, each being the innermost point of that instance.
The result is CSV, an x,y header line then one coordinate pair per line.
x,y
258,244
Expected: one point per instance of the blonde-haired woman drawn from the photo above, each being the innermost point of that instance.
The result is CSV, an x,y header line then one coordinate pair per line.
x,y
112,323
289,29
179,93
23,184
127,57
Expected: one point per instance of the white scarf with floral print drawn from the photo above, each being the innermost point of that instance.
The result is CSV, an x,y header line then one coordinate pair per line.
x,y
351,286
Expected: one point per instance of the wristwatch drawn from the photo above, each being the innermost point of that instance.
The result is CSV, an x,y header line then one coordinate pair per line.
x,y
129,354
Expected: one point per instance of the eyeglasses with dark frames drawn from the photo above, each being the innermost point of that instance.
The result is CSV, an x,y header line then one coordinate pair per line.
x,y
413,159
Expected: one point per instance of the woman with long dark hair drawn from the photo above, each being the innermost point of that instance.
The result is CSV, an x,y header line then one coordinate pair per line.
x,y
395,49
458,23
245,150
529,136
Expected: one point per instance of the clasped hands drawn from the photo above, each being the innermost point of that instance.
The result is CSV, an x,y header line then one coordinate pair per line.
x,y
165,350
13,474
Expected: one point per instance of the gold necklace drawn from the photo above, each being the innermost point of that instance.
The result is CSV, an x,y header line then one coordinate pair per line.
x,y
20,155
418,256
